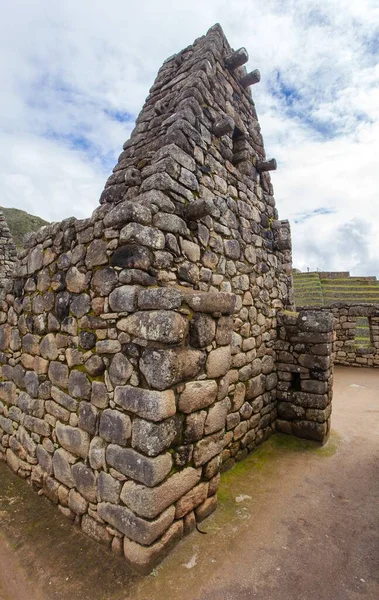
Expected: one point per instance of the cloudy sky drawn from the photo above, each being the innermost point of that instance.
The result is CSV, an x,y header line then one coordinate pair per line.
x,y
74,75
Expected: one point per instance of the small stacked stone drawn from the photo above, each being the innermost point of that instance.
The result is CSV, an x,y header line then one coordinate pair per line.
x,y
305,373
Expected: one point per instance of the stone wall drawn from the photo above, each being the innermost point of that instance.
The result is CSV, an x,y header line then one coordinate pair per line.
x,y
138,346
8,253
305,373
348,350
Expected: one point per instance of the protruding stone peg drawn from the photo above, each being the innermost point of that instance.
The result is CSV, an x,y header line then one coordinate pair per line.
x,y
250,78
224,126
237,59
266,165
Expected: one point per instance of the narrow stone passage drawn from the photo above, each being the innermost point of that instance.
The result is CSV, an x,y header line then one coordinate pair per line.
x,y
295,521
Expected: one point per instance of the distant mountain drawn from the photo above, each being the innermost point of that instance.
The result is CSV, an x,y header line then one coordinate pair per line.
x,y
20,222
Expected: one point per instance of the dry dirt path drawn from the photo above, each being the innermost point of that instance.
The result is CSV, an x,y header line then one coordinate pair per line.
x,y
294,522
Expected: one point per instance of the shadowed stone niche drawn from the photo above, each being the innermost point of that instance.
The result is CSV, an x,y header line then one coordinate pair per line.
x,y
145,349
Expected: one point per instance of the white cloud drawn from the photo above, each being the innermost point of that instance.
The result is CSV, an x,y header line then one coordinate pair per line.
x,y
71,68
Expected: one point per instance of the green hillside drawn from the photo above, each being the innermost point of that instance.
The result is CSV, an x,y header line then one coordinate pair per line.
x,y
20,222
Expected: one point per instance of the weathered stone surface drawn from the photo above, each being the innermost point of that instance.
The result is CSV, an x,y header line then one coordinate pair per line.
x,y
48,347
148,404
134,527
202,330
73,439
160,298
96,530
132,256
80,305
88,416
108,347
123,299
77,503
149,502
96,254
218,362
216,418
164,368
104,281
167,327
64,399
85,481
127,212
149,471
207,508
190,500
208,302
207,448
310,430
147,236
108,488
97,453
145,558
58,374
255,387
62,462
115,427
197,395
99,394
154,438
79,385
120,369
75,280
37,425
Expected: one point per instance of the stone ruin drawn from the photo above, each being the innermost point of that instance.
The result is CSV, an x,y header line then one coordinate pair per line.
x,y
149,347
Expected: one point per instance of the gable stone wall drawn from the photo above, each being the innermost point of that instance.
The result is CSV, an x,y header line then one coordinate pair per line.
x,y
138,347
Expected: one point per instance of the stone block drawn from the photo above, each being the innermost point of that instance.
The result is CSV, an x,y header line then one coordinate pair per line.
x,y
95,530
115,427
38,426
134,527
149,471
149,502
120,369
62,462
167,327
148,404
127,212
218,362
64,399
191,500
154,438
207,448
163,368
197,395
108,488
216,418
85,481
96,254
145,558
77,503
310,430
58,374
207,508
104,281
123,298
202,330
79,385
194,426
88,417
97,453
146,236
211,302
160,298
255,387
75,280
99,394
73,439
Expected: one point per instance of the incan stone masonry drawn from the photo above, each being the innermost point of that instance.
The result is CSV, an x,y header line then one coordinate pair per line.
x,y
145,349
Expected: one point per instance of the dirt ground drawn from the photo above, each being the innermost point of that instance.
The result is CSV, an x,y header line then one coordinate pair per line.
x,y
295,521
